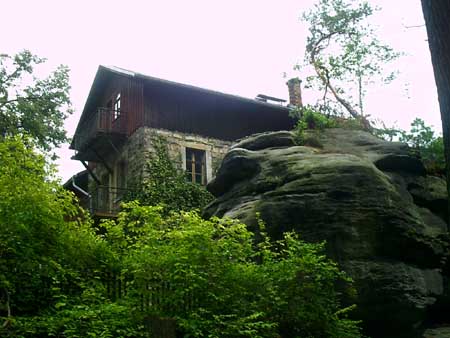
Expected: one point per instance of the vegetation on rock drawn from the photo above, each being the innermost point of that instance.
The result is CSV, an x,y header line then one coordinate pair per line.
x,y
345,54
421,138
429,147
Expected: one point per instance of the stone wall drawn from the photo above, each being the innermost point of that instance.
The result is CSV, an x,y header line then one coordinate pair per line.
x,y
138,148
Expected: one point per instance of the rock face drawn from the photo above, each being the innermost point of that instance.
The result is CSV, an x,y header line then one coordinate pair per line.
x,y
382,217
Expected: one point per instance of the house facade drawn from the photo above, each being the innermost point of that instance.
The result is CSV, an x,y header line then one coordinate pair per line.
x,y
125,110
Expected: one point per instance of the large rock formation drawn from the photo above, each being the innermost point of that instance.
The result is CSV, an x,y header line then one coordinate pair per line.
x,y
371,200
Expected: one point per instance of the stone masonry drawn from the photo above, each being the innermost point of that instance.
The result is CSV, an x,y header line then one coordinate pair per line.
x,y
138,148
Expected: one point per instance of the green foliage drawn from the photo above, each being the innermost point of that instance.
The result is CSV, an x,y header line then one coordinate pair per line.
x,y
60,279
430,147
345,53
100,319
32,210
211,277
309,119
91,316
51,262
32,106
424,142
164,183
419,135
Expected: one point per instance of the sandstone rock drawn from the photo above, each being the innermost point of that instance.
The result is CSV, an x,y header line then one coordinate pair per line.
x,y
266,140
439,332
382,217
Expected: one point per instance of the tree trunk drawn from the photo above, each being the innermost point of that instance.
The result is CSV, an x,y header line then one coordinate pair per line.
x,y
437,20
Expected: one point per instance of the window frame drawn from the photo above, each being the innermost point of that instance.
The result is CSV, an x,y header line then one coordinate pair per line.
x,y
117,105
195,167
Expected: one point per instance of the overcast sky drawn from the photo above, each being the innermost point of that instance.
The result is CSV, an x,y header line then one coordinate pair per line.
x,y
240,47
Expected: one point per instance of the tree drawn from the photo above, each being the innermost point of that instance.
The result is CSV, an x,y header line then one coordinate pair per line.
x,y
33,106
437,14
51,261
428,146
32,211
343,51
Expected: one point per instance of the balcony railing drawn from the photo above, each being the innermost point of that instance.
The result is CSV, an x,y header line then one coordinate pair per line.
x,y
105,200
102,121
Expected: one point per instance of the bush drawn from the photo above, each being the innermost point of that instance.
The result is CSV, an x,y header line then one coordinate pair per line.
x,y
59,278
48,257
105,319
429,147
213,278
422,140
309,119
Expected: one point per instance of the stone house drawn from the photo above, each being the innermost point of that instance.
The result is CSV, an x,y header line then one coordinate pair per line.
x,y
124,110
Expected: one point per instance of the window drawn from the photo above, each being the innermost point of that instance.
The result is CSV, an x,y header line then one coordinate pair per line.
x,y
196,165
117,106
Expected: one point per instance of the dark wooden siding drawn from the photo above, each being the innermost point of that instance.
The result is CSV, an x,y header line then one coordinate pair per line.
x,y
217,116
110,85
113,87
133,104
167,105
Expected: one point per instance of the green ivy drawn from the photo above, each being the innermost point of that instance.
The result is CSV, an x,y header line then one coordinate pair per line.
x,y
164,183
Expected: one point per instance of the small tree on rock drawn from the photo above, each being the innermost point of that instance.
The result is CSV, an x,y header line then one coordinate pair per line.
x,y
345,53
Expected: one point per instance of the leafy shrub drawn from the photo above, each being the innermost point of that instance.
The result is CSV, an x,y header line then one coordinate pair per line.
x,y
105,319
215,281
48,257
32,211
164,183
423,141
208,275
309,119
429,147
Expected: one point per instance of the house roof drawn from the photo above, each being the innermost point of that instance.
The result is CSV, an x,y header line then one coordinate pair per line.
x,y
130,73
81,179
104,71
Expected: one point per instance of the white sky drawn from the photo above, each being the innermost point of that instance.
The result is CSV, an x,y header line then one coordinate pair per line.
x,y
236,46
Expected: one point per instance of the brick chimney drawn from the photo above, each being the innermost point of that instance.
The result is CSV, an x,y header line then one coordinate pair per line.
x,y
295,92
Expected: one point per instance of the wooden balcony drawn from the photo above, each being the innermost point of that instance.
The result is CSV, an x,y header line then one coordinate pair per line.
x,y
104,131
104,201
